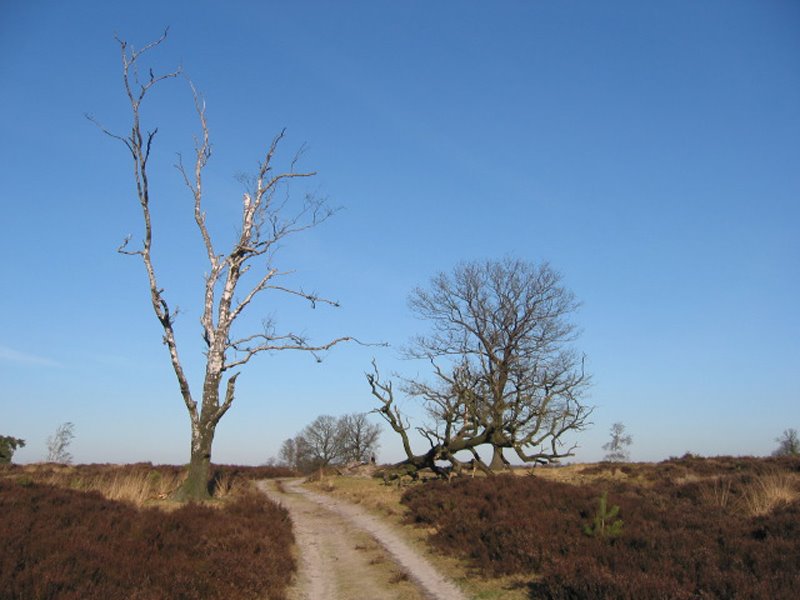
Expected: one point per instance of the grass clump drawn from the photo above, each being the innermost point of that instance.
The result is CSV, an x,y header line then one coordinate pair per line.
x,y
767,492
140,484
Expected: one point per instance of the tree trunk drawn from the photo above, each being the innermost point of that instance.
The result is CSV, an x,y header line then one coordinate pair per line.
x,y
499,462
198,478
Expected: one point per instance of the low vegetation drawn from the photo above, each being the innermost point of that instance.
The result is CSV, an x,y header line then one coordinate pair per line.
x,y
141,484
686,528
65,537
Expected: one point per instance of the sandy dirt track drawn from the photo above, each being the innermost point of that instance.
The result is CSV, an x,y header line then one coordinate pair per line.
x,y
347,554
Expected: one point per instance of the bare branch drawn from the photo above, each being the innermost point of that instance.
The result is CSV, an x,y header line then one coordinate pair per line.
x,y
312,297
284,342
124,245
125,141
259,287
202,155
390,413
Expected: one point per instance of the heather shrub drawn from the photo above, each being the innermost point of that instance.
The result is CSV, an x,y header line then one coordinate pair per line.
x,y
675,543
505,524
60,543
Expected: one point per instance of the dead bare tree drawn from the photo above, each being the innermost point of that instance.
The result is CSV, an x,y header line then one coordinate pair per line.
x,y
265,222
505,375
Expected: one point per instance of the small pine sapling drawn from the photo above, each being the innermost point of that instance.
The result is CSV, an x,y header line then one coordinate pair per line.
x,y
605,524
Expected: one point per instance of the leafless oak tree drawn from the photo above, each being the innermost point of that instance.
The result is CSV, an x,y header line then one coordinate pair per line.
x,y
359,437
331,441
266,221
505,375
323,439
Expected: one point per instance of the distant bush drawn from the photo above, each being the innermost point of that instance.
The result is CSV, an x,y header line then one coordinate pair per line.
x,y
8,445
677,542
64,544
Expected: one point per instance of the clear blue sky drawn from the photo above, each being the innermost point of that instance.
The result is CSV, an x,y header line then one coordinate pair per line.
x,y
649,150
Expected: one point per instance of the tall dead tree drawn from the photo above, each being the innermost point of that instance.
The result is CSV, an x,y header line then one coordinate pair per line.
x,y
265,222
505,374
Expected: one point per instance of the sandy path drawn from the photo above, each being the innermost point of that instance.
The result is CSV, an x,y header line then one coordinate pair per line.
x,y
343,552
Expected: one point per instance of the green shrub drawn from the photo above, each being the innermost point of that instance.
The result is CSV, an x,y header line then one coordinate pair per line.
x,y
8,445
605,523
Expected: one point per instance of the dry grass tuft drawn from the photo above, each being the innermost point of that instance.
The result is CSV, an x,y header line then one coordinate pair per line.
x,y
141,484
399,576
228,485
718,493
769,491
138,484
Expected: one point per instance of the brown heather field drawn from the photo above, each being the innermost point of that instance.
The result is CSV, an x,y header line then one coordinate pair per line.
x,y
685,528
109,532
722,527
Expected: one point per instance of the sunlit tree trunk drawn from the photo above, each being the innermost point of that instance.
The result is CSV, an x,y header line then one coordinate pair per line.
x,y
498,461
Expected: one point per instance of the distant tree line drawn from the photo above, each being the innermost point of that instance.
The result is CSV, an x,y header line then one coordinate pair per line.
x,y
331,441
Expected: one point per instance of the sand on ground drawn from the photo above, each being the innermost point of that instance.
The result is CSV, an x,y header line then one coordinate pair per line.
x,y
348,554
